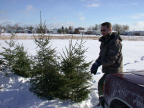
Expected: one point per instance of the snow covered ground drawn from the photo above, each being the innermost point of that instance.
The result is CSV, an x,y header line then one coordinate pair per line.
x,y
27,35
14,90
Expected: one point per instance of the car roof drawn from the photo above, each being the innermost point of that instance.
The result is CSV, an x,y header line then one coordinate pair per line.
x,y
138,73
136,77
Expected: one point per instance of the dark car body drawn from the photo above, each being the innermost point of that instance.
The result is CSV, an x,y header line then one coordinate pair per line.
x,y
125,89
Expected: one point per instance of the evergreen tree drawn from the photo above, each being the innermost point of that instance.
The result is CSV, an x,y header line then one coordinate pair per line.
x,y
75,73
16,59
62,29
71,29
59,31
66,30
22,64
45,80
70,80
8,54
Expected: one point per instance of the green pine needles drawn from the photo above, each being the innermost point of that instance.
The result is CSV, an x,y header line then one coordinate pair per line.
x,y
16,59
22,64
75,73
68,79
64,77
45,81
8,54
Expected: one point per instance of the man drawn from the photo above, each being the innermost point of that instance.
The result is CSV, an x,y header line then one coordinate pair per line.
x,y
110,56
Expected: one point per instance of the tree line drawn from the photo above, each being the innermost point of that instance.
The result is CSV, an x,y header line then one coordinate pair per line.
x,y
115,27
66,30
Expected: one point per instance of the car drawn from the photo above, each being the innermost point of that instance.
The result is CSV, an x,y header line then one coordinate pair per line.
x,y
124,90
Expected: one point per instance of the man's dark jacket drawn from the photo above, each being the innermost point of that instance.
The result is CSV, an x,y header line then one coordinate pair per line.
x,y
110,55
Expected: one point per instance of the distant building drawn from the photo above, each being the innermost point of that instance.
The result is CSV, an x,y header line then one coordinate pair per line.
x,y
33,30
27,31
124,32
2,30
19,30
71,29
55,31
77,30
10,30
133,33
93,32
82,31
138,33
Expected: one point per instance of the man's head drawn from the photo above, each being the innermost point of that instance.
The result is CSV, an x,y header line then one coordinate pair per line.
x,y
106,28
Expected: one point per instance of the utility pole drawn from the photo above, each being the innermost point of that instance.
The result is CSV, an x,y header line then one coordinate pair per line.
x,y
40,19
41,30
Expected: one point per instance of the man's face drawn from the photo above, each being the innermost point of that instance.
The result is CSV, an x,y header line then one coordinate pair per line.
x,y
105,30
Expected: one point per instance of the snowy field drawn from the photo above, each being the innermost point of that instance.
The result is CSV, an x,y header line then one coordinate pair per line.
x,y
14,90
30,35
22,36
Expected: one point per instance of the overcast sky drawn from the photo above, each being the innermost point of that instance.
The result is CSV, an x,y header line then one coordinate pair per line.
x,y
76,13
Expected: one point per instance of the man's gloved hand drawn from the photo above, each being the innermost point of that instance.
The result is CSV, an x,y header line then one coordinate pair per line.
x,y
95,67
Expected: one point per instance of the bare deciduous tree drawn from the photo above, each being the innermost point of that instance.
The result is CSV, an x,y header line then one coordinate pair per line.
x,y
117,27
125,27
96,27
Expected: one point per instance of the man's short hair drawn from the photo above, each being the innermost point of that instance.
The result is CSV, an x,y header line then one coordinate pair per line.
x,y
108,24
